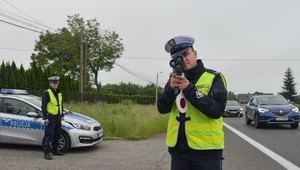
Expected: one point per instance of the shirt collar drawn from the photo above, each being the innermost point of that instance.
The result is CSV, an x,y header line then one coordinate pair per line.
x,y
197,70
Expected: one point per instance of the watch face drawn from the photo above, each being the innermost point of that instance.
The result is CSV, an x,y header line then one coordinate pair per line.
x,y
172,43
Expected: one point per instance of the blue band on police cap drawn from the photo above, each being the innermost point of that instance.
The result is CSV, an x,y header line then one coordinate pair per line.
x,y
179,47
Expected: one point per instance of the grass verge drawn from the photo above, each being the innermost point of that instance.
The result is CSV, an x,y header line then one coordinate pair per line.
x,y
131,122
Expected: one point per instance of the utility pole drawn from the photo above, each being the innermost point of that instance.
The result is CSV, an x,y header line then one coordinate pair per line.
x,y
156,93
81,67
85,71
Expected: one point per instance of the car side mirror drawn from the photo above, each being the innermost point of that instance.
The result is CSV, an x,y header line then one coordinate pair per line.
x,y
252,104
293,103
32,114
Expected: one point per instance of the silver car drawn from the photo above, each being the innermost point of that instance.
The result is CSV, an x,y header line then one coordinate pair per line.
x,y
21,123
233,108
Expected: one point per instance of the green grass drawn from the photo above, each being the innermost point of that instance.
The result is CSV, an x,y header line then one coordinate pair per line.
x,y
131,122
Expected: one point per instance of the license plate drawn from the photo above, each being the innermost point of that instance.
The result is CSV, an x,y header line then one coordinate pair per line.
x,y
282,118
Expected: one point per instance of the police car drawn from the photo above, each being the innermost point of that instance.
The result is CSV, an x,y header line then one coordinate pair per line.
x,y
21,123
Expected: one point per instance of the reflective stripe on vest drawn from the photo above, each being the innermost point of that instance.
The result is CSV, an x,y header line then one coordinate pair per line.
x,y
53,106
202,132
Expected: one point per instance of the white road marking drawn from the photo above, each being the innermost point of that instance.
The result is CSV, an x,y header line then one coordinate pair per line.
x,y
285,163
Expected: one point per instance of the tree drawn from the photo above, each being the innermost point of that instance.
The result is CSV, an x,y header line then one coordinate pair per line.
x,y
61,51
289,86
231,96
22,79
11,80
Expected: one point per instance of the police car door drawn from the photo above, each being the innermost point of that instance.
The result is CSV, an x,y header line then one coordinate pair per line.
x,y
17,127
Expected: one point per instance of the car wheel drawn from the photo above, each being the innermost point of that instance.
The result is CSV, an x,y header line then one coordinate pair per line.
x,y
248,122
64,142
294,126
241,115
256,121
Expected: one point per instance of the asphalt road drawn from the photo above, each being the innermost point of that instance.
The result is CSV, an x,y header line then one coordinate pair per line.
x,y
152,154
281,139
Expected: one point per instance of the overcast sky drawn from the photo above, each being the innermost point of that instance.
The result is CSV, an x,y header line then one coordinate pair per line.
x,y
252,42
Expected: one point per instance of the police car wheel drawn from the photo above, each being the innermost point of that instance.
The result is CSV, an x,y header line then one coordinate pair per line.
x,y
64,142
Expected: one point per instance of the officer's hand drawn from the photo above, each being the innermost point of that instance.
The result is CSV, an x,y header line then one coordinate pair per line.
x,y
182,82
173,81
62,118
46,121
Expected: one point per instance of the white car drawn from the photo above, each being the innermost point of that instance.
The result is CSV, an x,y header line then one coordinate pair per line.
x,y
21,123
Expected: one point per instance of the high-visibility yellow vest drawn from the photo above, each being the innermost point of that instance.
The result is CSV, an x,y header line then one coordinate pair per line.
x,y
53,105
202,132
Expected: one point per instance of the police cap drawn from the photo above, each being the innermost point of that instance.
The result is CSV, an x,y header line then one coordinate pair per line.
x,y
179,43
53,79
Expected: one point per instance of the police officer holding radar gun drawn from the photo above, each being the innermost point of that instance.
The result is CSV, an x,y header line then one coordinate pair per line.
x,y
52,115
195,97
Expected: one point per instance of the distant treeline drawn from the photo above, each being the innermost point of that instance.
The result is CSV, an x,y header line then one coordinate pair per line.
x,y
35,81
32,79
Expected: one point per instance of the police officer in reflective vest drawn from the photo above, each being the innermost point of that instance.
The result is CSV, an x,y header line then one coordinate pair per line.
x,y
195,136
52,115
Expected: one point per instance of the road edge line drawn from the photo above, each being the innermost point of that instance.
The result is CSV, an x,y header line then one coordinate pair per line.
x,y
279,159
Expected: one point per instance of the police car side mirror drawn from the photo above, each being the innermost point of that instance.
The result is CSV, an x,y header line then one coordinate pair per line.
x,y
32,114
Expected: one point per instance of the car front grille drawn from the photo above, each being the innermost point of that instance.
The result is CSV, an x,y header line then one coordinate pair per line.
x,y
278,113
96,128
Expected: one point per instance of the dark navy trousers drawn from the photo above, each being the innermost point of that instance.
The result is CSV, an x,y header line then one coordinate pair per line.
x,y
178,163
52,133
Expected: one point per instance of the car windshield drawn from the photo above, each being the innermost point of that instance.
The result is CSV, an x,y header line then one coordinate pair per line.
x,y
232,103
272,100
38,103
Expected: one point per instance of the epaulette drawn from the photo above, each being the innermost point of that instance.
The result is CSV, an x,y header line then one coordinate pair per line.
x,y
212,71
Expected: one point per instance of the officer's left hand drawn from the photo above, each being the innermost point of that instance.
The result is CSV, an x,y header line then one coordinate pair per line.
x,y
62,118
183,82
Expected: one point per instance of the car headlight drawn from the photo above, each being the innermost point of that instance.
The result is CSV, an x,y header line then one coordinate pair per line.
x,y
241,109
263,110
225,110
79,126
295,109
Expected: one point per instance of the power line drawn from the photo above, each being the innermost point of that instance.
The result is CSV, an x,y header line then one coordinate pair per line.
x,y
147,77
131,72
20,26
27,19
20,21
24,13
218,59
288,59
15,49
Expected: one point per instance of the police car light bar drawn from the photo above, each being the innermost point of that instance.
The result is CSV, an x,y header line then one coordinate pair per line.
x,y
13,91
